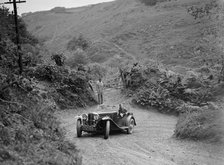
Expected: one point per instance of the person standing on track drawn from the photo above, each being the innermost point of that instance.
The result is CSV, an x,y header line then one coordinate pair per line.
x,y
99,89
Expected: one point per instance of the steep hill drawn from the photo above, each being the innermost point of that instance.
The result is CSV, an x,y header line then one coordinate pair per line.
x,y
127,27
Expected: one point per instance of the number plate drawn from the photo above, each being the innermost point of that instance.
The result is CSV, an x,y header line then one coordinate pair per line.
x,y
88,128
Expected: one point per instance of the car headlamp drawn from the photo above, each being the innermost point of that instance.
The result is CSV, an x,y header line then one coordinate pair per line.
x,y
96,117
84,117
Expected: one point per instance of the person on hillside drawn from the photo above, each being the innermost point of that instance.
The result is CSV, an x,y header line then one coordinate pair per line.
x,y
99,89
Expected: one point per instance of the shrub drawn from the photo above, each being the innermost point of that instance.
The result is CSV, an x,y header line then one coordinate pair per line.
x,y
200,123
159,98
48,73
70,90
165,89
59,59
204,10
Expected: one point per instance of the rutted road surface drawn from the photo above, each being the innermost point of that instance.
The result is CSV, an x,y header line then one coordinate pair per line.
x,y
150,144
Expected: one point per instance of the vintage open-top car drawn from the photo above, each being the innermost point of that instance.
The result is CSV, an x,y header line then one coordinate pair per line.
x,y
104,122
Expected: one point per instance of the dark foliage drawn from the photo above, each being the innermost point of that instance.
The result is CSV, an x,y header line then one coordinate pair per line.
x,y
205,10
155,87
70,89
58,58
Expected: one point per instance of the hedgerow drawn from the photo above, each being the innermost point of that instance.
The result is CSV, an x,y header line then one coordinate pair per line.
x,y
155,87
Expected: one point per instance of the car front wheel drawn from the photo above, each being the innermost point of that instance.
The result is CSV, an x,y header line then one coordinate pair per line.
x,y
131,126
107,130
78,128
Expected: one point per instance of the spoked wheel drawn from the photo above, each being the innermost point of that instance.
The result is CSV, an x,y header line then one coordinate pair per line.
x,y
131,126
78,128
107,130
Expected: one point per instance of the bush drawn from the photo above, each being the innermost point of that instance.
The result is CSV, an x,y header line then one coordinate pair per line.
x,y
200,123
204,10
165,89
48,73
69,90
159,98
59,59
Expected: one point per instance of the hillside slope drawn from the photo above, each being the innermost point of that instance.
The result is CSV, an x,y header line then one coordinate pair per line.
x,y
165,31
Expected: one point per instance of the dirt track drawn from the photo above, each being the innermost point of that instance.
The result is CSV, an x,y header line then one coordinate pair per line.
x,y
151,142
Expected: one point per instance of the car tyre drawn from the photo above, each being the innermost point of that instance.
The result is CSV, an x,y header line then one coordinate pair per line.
x,y
131,125
78,128
107,130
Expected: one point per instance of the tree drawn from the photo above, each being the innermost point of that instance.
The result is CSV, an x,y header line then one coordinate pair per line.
x,y
59,59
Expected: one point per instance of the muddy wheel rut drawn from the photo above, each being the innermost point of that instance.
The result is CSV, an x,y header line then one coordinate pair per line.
x,y
151,142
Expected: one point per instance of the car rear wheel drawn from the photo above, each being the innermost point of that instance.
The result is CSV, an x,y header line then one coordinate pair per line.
x,y
107,130
78,128
131,126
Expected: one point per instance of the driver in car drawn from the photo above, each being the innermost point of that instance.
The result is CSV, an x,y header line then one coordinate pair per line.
x,y
122,111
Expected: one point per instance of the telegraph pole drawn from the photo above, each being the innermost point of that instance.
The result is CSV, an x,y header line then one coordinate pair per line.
x,y
18,52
